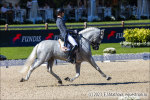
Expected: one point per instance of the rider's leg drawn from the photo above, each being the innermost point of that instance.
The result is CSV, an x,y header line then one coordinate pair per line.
x,y
72,40
74,48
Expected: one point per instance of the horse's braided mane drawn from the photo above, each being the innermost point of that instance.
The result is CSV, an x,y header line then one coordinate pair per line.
x,y
87,30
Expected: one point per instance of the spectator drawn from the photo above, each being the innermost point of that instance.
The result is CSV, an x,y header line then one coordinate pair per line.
x,y
48,12
100,3
10,7
69,6
70,11
29,5
7,13
17,7
81,6
4,8
17,12
100,10
81,10
45,13
46,6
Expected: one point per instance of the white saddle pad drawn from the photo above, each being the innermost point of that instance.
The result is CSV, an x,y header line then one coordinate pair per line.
x,y
63,48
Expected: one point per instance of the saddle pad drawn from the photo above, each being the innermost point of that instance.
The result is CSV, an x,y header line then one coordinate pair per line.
x,y
63,48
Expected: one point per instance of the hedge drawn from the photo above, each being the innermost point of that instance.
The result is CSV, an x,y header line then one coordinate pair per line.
x,y
136,38
137,35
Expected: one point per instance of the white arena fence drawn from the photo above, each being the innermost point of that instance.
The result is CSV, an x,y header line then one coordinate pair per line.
x,y
102,58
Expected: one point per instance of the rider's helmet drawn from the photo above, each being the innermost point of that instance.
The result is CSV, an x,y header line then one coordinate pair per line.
x,y
59,10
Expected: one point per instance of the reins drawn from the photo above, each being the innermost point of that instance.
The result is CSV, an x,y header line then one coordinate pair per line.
x,y
88,40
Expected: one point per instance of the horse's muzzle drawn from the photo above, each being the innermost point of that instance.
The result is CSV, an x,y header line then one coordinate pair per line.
x,y
95,47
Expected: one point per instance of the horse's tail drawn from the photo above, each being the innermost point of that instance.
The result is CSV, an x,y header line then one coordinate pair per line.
x,y
30,60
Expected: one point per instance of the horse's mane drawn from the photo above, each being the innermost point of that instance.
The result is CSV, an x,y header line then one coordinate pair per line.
x,y
88,30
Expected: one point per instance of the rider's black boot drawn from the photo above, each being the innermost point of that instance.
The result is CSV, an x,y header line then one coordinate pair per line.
x,y
71,57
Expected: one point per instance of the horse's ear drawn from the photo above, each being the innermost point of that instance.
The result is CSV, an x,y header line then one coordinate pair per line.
x,y
102,33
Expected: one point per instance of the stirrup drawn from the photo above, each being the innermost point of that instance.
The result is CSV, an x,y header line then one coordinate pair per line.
x,y
71,61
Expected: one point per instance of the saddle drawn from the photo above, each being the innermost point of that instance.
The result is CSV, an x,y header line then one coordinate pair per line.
x,y
62,47
66,49
67,46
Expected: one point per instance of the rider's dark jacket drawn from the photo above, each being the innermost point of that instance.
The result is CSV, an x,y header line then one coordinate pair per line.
x,y
62,27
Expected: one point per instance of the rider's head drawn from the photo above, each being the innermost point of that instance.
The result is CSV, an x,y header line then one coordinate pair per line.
x,y
60,12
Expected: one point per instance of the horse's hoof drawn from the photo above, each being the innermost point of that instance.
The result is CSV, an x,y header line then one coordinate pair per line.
x,y
109,78
22,80
60,82
67,79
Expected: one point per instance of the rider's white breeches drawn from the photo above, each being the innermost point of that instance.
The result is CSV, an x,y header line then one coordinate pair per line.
x,y
72,40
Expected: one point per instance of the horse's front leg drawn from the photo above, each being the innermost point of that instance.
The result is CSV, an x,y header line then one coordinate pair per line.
x,y
77,73
92,62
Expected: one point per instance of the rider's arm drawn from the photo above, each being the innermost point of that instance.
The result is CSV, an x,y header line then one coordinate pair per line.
x,y
63,27
72,31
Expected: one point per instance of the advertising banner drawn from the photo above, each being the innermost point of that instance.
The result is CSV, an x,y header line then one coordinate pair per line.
x,y
26,37
113,35
16,38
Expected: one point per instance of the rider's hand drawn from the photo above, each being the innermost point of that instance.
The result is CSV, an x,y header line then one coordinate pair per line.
x,y
76,31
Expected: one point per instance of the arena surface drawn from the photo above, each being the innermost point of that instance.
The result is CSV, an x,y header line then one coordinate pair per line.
x,y
129,78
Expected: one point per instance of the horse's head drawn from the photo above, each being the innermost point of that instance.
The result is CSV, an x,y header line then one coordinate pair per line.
x,y
97,38
94,36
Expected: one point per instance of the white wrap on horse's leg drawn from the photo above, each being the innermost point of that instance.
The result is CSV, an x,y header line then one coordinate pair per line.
x,y
72,40
77,73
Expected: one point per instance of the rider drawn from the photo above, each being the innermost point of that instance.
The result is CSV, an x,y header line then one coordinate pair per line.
x,y
64,35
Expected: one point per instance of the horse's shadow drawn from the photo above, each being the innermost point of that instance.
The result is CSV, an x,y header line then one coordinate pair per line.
x,y
98,84
104,84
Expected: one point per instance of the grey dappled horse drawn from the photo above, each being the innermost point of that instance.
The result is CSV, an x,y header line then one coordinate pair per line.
x,y
49,50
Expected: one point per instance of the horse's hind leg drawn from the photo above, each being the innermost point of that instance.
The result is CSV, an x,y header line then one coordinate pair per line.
x,y
37,64
92,62
49,67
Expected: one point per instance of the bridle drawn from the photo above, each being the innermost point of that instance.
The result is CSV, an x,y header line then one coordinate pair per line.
x,y
88,40
94,45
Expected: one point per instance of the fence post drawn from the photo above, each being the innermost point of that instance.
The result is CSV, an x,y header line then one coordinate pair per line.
x,y
85,24
46,26
6,27
122,23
